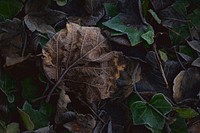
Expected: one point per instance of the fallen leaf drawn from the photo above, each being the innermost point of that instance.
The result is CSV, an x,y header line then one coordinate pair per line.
x,y
83,57
11,38
160,4
41,18
47,129
194,128
10,61
82,124
186,84
196,62
93,19
26,120
63,101
174,16
194,44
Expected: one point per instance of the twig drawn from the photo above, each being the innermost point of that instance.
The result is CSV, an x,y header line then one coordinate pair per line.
x,y
91,109
42,97
161,67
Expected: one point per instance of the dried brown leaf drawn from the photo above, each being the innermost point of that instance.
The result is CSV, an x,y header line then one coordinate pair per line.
x,y
84,57
186,84
63,101
196,62
194,128
83,124
10,61
11,38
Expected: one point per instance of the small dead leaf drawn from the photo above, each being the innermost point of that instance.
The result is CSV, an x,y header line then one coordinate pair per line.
x,y
196,62
11,38
194,44
84,57
194,128
177,84
48,129
92,20
10,61
83,124
186,84
61,106
41,20
38,24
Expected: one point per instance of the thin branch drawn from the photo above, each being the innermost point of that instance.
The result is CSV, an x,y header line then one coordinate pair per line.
x,y
161,67
93,112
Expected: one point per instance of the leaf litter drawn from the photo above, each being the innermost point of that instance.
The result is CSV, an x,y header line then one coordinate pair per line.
x,y
98,67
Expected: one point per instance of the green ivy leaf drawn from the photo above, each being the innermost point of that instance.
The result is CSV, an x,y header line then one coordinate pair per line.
x,y
13,128
2,126
150,113
26,120
179,126
154,130
111,9
144,114
186,113
7,86
30,88
194,17
161,103
163,55
40,118
61,2
178,35
9,8
149,35
133,33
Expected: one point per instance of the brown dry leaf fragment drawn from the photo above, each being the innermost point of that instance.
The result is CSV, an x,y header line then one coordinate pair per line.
x,y
83,55
11,38
10,61
186,84
62,105
196,62
82,124
195,128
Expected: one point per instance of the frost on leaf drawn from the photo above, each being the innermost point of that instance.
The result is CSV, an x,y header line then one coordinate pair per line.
x,y
83,56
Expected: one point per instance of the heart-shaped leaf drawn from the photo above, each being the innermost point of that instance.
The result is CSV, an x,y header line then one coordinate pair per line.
x,y
151,113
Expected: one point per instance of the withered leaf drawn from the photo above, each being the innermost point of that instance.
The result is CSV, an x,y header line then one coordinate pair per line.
x,y
194,44
41,20
186,84
196,62
10,61
82,124
84,57
11,38
61,106
194,128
